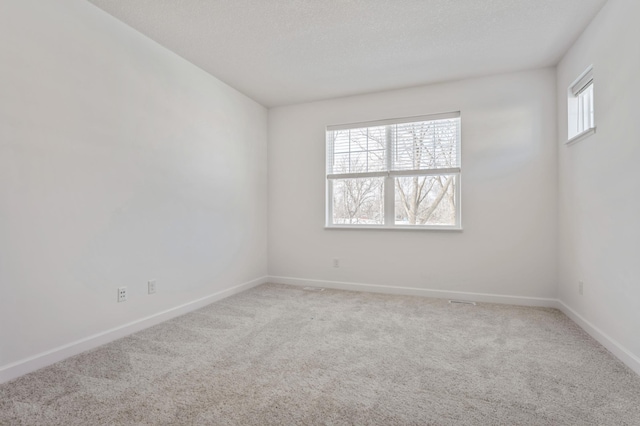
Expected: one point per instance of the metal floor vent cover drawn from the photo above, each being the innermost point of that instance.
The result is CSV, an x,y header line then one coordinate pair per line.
x,y
463,302
313,288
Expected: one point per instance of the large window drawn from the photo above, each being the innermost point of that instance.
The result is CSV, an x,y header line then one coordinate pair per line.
x,y
402,173
581,109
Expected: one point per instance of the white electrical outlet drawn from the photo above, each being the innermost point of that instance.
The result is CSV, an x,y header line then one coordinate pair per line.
x,y
122,294
151,286
580,288
336,263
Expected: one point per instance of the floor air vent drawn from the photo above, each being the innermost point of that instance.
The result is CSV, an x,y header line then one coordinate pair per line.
x,y
464,302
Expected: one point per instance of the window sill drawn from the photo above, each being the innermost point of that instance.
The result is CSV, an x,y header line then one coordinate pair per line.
x,y
581,136
394,228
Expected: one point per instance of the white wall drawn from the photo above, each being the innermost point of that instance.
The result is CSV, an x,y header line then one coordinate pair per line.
x,y
508,245
599,181
119,162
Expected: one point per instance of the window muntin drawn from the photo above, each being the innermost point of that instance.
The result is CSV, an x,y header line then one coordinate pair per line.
x,y
402,173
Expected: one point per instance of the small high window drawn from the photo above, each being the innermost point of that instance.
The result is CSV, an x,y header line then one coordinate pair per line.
x,y
581,110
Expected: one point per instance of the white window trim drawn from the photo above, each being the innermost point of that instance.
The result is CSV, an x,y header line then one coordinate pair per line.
x,y
581,136
389,184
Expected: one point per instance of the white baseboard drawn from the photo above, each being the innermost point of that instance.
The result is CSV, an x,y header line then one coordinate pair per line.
x,y
19,368
413,291
619,351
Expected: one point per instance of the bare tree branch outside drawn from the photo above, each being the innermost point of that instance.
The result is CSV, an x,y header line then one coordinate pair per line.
x,y
425,199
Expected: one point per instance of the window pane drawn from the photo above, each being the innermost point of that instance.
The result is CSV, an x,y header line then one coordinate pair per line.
x,y
357,150
358,201
425,200
425,145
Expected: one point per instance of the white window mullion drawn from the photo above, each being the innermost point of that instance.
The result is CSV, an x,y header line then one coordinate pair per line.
x,y
424,172
389,190
389,201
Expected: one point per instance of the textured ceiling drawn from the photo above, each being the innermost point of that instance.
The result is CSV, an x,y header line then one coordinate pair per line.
x,y
281,52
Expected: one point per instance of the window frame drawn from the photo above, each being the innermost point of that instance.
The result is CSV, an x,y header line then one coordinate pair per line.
x,y
581,90
389,186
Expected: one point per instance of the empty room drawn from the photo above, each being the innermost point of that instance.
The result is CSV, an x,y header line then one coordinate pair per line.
x,y
245,212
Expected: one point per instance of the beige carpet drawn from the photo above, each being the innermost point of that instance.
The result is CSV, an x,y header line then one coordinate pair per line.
x,y
279,355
